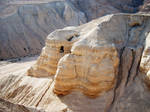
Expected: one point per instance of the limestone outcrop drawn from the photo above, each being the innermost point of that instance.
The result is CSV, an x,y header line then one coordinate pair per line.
x,y
86,58
55,49
101,66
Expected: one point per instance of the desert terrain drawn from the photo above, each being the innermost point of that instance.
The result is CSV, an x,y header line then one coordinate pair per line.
x,y
74,56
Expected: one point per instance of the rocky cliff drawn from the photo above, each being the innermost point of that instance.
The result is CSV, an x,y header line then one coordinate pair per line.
x,y
101,66
97,8
24,24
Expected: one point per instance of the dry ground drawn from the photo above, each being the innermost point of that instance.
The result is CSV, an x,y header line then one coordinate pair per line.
x,y
16,66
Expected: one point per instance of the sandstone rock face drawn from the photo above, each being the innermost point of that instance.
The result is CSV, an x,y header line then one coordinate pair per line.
x,y
91,73
101,66
54,50
80,68
86,58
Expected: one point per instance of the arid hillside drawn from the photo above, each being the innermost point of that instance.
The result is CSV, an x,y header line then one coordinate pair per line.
x,y
24,24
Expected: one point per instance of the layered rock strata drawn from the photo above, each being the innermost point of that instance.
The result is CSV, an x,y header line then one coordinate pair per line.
x,y
86,58
55,49
106,59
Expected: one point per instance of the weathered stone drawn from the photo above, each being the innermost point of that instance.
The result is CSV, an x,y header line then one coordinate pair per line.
x,y
106,58
88,60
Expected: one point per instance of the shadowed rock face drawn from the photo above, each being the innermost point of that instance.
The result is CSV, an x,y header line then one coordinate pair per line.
x,y
101,66
24,26
97,8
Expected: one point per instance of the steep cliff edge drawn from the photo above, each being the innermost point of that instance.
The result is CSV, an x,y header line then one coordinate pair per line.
x,y
101,66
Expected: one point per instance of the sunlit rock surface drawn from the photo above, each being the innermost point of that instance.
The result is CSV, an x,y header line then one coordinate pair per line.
x,y
101,66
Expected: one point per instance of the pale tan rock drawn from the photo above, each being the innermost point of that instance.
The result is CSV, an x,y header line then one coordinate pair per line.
x,y
23,89
21,93
90,64
145,60
103,60
57,45
90,69
85,59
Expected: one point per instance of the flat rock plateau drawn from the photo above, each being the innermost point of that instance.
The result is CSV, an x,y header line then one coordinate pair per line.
x,y
100,66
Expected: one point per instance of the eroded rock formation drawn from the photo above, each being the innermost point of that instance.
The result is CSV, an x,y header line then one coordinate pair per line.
x,y
87,58
56,48
106,59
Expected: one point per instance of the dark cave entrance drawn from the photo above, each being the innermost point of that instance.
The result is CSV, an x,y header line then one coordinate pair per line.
x,y
61,49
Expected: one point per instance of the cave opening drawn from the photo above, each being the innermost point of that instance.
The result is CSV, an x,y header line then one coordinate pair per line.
x,y
25,49
61,49
70,38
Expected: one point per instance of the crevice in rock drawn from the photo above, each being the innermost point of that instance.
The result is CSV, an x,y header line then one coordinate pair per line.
x,y
44,94
72,37
118,82
127,71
